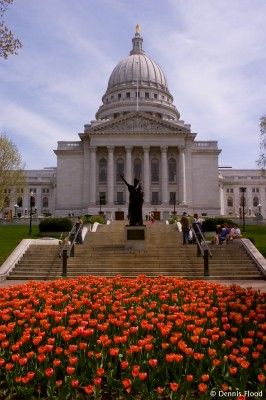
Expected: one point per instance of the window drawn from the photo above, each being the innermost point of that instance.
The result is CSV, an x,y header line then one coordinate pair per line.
x,y
147,95
119,95
155,95
32,191
230,202
128,95
255,190
138,94
120,198
45,191
45,202
7,202
255,201
155,198
102,198
137,168
155,170
172,198
19,201
119,169
172,170
242,201
102,170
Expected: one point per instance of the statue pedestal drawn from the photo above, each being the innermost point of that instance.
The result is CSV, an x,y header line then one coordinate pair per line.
x,y
135,237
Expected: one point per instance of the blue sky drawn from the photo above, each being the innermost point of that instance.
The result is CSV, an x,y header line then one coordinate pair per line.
x,y
212,52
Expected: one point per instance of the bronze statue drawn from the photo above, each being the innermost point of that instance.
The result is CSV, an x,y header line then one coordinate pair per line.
x,y
136,198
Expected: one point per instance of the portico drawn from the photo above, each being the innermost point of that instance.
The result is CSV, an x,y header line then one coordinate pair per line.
x,y
137,133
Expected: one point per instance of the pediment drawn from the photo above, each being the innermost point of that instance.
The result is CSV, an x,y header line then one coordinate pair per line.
x,y
137,122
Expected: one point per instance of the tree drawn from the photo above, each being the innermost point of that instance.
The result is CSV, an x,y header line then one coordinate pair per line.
x,y
12,176
8,44
261,162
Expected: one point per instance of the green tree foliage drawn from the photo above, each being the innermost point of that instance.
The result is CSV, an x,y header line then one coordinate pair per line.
x,y
261,162
12,176
8,44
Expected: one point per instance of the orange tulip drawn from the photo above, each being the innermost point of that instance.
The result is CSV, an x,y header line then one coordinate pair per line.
x,y
202,387
174,386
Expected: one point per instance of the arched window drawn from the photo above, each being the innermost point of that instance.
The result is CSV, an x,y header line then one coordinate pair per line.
x,y
119,169
19,201
102,170
172,170
45,202
155,170
7,202
255,201
137,168
230,202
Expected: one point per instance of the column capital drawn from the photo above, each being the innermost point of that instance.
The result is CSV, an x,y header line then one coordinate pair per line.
x,y
110,149
128,149
146,149
93,148
164,149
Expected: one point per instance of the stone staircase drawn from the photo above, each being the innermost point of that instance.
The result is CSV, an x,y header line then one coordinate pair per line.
x,y
103,254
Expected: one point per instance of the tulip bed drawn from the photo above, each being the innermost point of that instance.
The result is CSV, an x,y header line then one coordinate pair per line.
x,y
119,338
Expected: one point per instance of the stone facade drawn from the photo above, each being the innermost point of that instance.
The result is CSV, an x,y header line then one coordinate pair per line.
x,y
138,133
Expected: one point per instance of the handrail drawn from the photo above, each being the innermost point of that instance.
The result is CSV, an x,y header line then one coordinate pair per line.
x,y
68,250
72,236
195,235
206,253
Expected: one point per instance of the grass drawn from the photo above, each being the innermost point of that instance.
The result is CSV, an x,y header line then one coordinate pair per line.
x,y
258,233
11,235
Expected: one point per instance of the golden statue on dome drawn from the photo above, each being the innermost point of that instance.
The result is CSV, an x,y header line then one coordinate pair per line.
x,y
138,29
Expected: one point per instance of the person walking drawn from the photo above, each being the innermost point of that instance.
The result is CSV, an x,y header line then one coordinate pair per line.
x,y
185,227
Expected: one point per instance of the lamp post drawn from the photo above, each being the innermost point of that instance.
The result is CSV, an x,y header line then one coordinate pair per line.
x,y
259,207
173,201
101,199
31,205
16,211
243,190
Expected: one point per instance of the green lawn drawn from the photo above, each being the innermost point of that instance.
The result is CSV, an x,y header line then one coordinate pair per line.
x,y
258,233
11,235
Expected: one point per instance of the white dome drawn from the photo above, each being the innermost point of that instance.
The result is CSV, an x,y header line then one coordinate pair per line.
x,y
137,75
137,67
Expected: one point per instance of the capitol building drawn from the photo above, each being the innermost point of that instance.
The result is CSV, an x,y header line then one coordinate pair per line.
x,y
138,133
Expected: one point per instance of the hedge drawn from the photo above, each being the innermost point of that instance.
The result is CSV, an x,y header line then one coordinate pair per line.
x,y
56,225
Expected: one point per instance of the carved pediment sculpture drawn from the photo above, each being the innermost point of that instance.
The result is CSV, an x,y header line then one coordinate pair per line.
x,y
138,123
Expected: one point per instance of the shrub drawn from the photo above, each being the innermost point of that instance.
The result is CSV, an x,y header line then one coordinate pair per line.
x,y
97,218
210,223
173,219
56,225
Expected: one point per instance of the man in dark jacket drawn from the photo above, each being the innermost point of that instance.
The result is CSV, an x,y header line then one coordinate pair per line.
x,y
185,227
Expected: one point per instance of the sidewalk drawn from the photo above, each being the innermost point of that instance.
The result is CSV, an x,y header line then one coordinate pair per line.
x,y
256,284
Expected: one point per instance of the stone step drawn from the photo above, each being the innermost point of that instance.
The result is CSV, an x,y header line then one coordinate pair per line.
x,y
103,254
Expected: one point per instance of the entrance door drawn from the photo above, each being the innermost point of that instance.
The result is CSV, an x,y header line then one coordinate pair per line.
x,y
119,215
157,215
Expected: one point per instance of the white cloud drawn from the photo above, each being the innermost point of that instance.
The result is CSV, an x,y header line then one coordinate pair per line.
x,y
213,55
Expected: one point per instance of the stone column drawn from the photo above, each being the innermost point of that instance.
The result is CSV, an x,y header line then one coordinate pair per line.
x,y
93,174
110,175
128,172
86,174
164,175
146,183
182,176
